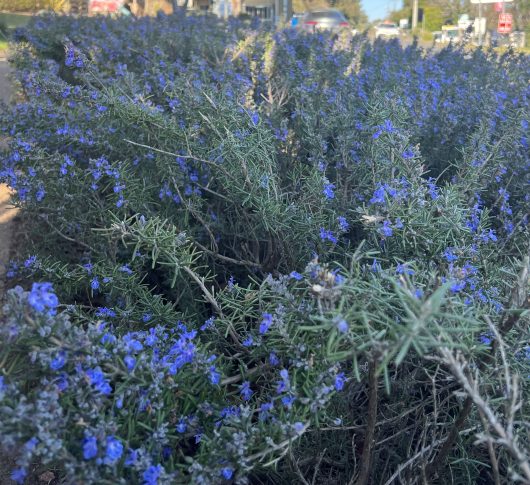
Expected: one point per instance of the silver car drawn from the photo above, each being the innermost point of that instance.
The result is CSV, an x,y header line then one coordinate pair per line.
x,y
330,19
387,30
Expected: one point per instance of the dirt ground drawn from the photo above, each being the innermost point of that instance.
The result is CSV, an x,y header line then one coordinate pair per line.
x,y
7,212
37,475
6,229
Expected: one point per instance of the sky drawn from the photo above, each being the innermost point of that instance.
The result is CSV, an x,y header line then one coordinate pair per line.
x,y
378,9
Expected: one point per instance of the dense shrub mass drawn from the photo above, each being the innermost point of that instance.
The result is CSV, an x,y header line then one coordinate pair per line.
x,y
265,257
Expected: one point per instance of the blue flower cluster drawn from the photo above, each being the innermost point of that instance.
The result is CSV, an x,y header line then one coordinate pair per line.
x,y
43,299
190,184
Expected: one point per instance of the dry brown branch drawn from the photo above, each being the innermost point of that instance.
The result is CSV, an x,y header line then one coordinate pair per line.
x,y
504,435
519,300
369,438
411,460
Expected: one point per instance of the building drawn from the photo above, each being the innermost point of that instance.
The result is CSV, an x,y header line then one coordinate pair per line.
x,y
194,4
263,9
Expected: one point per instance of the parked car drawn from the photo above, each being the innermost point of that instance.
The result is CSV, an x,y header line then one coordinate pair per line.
x,y
449,33
517,39
387,30
330,19
494,39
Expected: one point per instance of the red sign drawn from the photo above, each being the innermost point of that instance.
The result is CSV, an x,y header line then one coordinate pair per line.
x,y
498,7
104,6
505,23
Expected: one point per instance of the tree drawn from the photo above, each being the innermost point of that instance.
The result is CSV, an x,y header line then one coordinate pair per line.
x,y
521,15
433,18
300,6
437,12
352,10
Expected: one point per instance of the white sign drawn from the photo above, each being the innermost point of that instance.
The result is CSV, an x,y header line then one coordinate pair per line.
x,y
490,1
479,26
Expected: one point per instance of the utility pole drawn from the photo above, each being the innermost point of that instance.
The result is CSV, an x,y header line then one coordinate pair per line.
x,y
480,23
503,12
287,10
414,14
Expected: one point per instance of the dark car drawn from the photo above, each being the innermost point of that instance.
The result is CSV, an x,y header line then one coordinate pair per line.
x,y
333,20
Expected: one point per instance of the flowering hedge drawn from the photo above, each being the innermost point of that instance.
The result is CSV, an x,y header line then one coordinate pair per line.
x,y
265,257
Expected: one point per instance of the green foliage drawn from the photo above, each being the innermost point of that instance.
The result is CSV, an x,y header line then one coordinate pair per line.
x,y
32,5
17,5
433,18
268,256
353,11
